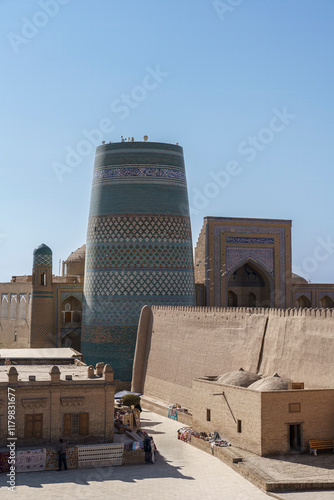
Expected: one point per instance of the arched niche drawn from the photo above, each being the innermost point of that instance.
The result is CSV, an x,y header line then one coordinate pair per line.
x,y
251,286
232,299
71,310
73,340
326,302
303,302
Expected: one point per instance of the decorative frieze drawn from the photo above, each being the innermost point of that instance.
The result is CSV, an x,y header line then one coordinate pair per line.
x,y
34,403
72,401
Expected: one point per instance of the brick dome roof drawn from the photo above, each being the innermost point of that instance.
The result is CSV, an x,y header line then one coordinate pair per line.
x,y
296,279
240,378
78,255
274,383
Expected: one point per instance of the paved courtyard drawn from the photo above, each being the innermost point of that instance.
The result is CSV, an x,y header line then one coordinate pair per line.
x,y
301,468
307,495
181,472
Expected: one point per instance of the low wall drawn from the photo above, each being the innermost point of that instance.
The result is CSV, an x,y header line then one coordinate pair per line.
x,y
162,409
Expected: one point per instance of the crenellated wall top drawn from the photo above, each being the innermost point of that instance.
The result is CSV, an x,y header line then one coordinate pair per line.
x,y
300,312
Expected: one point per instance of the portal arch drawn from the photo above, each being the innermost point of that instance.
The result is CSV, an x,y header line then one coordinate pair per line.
x,y
251,285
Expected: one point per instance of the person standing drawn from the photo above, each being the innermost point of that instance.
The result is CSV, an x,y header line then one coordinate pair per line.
x,y
61,454
138,407
153,450
147,449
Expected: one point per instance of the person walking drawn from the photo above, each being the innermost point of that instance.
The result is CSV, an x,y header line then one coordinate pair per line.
x,y
61,454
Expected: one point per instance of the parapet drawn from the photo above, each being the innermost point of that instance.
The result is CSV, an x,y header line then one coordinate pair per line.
x,y
54,374
108,373
308,312
12,375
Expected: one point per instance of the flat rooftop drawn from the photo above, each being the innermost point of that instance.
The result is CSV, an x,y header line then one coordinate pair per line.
x,y
246,219
50,353
42,373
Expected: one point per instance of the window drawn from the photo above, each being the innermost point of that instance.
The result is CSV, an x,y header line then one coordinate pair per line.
x,y
71,310
68,314
76,424
239,426
43,279
23,306
33,426
13,303
4,305
208,415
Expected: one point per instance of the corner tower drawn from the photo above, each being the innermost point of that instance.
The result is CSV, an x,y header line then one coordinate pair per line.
x,y
42,324
139,246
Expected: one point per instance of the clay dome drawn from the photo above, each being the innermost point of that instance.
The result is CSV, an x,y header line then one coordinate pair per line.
x,y
240,378
274,383
78,255
296,279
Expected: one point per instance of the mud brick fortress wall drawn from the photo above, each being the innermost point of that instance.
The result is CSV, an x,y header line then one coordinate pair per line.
x,y
178,344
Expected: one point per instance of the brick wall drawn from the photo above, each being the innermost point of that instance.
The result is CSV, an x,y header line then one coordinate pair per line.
x,y
43,397
237,403
315,417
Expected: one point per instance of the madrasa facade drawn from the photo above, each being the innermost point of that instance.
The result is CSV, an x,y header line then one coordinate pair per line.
x,y
139,252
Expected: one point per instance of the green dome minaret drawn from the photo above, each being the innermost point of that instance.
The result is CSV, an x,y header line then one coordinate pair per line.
x,y
42,329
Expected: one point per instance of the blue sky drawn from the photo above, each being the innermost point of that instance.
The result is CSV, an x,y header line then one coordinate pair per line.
x,y
225,71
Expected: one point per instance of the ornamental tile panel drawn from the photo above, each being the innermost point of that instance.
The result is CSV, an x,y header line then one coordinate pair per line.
x,y
148,282
42,260
132,255
139,228
165,173
264,256
249,240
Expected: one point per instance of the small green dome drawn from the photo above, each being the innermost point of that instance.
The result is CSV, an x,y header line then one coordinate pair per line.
x,y
43,250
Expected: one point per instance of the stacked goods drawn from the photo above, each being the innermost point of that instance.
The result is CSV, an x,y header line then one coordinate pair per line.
x,y
186,433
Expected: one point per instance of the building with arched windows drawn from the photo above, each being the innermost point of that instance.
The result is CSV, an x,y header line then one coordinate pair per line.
x,y
43,310
242,262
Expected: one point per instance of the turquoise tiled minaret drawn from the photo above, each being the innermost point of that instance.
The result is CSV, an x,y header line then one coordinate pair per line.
x,y
139,247
42,329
